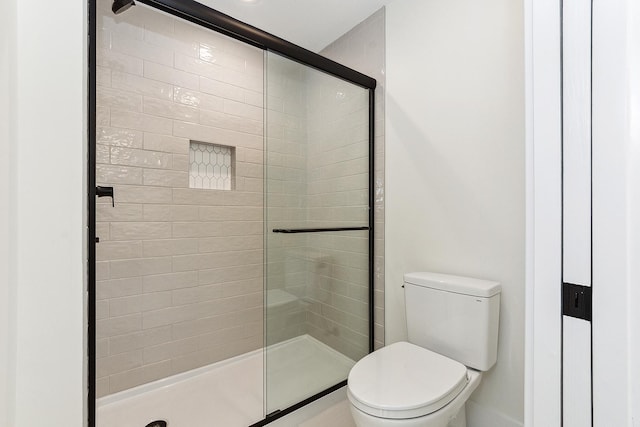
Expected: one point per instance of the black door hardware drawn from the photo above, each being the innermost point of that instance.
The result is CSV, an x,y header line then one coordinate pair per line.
x,y
106,192
576,301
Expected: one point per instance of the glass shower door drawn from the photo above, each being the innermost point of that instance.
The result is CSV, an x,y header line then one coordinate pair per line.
x,y
316,230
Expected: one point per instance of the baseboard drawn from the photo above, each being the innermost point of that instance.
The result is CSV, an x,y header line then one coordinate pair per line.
x,y
483,416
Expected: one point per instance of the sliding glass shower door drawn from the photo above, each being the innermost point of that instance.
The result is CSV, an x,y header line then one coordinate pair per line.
x,y
316,230
231,233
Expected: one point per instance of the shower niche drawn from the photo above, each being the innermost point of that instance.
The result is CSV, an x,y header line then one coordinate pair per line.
x,y
233,275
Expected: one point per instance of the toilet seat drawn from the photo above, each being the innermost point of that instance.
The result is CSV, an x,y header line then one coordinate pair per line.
x,y
403,381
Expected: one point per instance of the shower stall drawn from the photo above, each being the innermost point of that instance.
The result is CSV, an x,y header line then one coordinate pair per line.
x,y
231,221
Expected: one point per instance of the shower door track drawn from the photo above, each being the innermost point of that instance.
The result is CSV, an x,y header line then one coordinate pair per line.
x,y
204,16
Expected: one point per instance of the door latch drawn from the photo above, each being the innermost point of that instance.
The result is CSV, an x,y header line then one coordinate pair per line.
x,y
576,301
106,192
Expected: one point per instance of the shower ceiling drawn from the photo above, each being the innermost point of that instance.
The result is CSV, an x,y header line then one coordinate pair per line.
x,y
312,24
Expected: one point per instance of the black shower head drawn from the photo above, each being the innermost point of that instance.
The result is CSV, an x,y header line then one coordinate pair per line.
x,y
120,6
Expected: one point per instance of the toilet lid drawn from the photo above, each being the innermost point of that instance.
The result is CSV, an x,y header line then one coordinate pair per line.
x,y
403,380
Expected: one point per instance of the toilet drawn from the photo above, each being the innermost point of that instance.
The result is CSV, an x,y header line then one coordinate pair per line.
x,y
452,325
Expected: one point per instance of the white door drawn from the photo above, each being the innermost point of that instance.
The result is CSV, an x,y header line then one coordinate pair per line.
x,y
576,213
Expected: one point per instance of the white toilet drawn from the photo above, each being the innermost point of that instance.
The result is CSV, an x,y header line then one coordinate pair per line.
x,y
452,323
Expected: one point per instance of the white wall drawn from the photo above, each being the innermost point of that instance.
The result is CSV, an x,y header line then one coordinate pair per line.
x,y
633,52
7,33
544,209
455,167
47,141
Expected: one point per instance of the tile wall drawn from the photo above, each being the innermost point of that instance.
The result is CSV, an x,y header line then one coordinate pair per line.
x,y
363,49
317,176
179,270
338,196
285,197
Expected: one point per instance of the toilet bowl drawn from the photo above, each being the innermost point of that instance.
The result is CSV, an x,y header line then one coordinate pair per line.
x,y
409,386
453,325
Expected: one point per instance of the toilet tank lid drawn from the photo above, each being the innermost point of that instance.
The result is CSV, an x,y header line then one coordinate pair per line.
x,y
456,284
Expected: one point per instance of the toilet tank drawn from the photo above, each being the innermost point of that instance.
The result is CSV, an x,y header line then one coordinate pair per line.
x,y
454,316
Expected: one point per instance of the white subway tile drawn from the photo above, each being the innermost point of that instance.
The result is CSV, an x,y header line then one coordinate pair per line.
x,y
221,337
117,62
164,178
184,213
140,158
248,155
171,75
230,122
103,270
144,374
180,162
121,212
154,248
107,174
166,38
138,340
141,49
168,316
249,170
165,143
222,90
197,66
216,135
102,309
103,116
196,99
103,154
143,122
156,301
102,347
219,244
230,213
118,99
225,228
127,28
118,326
185,296
140,85
131,194
102,228
106,289
102,387
140,230
118,363
253,98
170,350
103,76
167,282
242,287
243,110
171,110
229,274
106,251
126,305
140,267
119,137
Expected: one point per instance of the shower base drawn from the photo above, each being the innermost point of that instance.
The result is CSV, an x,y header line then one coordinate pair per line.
x,y
229,393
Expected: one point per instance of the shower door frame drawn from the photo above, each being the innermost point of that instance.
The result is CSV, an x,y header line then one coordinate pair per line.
x,y
204,16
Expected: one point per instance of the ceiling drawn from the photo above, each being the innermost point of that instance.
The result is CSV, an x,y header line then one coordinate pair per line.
x,y
312,24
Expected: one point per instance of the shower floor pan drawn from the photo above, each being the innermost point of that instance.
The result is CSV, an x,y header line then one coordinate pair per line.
x,y
229,393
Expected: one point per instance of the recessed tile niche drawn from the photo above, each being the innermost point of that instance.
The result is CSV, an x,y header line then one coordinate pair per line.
x,y
211,166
